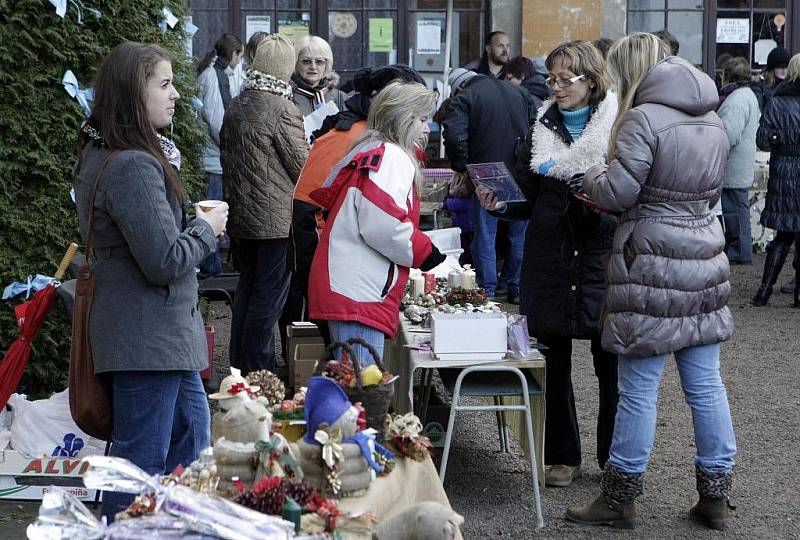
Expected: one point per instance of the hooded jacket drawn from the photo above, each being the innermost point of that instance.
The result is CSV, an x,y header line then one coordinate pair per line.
x,y
667,271
370,240
779,133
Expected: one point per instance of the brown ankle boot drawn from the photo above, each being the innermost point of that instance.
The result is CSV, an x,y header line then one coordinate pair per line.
x,y
614,506
713,508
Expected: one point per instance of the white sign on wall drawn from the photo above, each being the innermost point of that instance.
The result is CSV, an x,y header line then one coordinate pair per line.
x,y
257,23
733,30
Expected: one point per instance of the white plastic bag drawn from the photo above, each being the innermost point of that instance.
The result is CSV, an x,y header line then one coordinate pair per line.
x,y
45,427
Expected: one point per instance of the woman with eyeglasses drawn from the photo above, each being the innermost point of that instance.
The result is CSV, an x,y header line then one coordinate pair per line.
x,y
313,79
563,279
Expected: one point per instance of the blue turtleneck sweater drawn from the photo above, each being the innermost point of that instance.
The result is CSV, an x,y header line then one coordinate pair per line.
x,y
575,120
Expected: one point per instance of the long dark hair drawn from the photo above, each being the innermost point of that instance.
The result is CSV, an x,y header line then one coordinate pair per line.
x,y
226,45
120,106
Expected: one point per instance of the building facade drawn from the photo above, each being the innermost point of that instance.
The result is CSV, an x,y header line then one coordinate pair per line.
x,y
380,32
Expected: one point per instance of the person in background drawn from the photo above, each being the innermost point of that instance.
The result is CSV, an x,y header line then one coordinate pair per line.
x,y
252,46
739,112
371,237
667,273
146,330
563,276
772,75
331,142
461,208
521,71
217,81
779,133
669,38
496,52
483,123
310,80
603,45
263,148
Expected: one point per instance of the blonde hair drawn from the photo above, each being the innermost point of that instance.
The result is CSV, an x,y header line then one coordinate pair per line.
x,y
314,46
393,115
629,61
584,59
793,70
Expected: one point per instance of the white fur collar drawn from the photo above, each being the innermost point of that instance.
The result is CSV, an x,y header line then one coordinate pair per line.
x,y
590,148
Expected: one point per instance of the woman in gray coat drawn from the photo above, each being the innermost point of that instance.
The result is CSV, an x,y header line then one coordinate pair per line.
x,y
667,273
145,328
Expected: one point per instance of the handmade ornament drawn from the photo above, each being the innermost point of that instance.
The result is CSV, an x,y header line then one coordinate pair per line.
x,y
248,422
338,470
234,460
428,520
277,458
464,295
269,386
233,390
404,433
326,403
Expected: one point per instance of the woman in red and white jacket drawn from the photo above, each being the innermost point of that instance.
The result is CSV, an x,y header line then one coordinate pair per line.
x,y
371,237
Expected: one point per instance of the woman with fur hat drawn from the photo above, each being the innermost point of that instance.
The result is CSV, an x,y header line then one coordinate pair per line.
x,y
563,278
313,80
263,149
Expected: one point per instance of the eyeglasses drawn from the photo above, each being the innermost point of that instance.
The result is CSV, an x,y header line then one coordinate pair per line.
x,y
314,61
563,83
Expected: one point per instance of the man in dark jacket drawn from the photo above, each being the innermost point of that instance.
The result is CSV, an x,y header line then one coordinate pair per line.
x,y
496,52
483,124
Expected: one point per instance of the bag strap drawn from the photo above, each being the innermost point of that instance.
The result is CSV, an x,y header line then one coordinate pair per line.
x,y
90,224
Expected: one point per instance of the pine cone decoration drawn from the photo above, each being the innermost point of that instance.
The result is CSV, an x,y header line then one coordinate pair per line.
x,y
271,387
301,492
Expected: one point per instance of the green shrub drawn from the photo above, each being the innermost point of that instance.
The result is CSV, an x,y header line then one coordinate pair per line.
x,y
38,126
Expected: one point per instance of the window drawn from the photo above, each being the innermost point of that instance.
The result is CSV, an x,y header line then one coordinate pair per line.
x,y
683,18
750,28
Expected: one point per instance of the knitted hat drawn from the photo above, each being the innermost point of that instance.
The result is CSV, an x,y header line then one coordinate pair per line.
x,y
275,56
325,403
778,58
458,77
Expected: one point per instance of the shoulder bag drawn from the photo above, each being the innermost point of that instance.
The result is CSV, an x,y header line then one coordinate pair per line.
x,y
90,394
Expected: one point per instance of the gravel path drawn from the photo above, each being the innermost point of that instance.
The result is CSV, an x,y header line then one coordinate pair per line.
x,y
493,490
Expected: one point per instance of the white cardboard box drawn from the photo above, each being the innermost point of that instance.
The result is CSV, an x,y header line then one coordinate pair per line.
x,y
469,335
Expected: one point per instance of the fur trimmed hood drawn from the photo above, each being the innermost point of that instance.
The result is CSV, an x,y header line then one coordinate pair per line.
x,y
571,159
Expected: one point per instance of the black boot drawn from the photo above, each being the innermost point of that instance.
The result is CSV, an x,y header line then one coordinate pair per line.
x,y
614,506
776,256
713,508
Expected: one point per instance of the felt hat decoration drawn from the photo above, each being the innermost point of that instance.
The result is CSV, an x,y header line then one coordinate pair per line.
x,y
325,403
233,385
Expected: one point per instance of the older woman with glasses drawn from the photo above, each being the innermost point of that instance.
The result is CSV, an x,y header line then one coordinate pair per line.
x,y
313,80
563,279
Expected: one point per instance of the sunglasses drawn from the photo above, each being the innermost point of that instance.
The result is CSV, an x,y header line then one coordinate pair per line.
x,y
563,83
313,61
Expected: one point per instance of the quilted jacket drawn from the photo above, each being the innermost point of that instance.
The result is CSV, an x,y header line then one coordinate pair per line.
x,y
667,271
779,133
263,148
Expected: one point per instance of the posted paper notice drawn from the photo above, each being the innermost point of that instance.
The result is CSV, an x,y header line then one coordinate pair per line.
x,y
429,37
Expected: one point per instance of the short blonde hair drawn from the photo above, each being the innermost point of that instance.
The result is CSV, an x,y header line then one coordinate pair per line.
x,y
314,46
793,70
584,59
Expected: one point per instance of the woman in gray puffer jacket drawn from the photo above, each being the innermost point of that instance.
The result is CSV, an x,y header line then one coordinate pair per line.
x,y
667,272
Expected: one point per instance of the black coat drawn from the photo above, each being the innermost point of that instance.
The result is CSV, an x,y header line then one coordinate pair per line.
x,y
779,133
485,120
563,267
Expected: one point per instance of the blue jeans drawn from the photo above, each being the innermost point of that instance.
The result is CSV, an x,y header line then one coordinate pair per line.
x,y
484,254
704,391
738,235
161,420
212,265
344,330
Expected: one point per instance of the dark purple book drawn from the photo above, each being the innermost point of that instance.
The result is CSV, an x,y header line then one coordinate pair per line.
x,y
497,178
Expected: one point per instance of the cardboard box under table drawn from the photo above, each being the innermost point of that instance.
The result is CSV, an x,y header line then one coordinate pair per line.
x,y
404,361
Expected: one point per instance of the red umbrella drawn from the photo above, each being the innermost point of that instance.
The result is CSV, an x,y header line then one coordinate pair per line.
x,y
30,316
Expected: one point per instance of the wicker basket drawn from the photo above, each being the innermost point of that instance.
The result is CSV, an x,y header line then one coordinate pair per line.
x,y
376,399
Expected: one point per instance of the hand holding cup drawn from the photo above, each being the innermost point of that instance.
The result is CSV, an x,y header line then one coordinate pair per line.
x,y
215,213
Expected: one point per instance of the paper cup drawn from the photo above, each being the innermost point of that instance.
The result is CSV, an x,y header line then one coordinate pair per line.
x,y
207,206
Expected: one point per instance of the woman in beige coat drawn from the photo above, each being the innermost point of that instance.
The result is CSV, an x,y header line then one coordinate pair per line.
x,y
263,149
667,273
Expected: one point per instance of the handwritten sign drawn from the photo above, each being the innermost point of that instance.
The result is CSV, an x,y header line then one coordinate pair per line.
x,y
733,30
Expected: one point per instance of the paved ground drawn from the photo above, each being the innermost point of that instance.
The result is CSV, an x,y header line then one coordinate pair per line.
x,y
493,490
